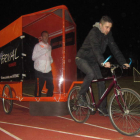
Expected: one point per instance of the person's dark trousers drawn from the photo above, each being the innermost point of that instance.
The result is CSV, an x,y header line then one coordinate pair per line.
x,y
92,71
40,80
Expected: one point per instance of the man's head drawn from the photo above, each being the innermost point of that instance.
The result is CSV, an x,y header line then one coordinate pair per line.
x,y
105,24
45,37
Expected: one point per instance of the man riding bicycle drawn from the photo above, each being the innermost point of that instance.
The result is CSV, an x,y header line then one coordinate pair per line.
x,y
90,57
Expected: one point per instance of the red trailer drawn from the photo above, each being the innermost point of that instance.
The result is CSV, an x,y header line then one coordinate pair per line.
x,y
16,44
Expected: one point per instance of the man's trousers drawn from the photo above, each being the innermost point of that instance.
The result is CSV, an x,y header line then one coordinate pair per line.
x,y
40,80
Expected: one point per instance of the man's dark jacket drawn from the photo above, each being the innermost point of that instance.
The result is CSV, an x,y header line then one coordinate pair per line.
x,y
95,45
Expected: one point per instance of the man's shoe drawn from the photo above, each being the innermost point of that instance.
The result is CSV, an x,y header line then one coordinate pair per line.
x,y
103,112
44,92
82,101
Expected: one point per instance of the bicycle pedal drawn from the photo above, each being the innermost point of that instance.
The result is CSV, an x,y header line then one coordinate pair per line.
x,y
102,112
91,108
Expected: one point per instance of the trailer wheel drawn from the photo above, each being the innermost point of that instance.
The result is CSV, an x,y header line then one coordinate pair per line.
x,y
7,104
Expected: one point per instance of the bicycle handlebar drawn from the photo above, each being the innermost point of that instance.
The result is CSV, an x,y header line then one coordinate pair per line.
x,y
111,56
114,66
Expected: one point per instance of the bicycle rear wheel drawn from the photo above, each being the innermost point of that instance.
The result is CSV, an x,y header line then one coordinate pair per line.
x,y
7,104
78,113
127,120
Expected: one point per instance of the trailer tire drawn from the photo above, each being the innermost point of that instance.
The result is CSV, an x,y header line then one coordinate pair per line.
x,y
7,104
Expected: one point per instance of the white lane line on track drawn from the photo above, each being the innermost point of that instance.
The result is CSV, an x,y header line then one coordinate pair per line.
x,y
63,132
90,124
21,105
93,125
8,133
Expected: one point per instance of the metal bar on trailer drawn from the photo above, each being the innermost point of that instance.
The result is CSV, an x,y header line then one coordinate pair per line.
x,y
63,40
37,99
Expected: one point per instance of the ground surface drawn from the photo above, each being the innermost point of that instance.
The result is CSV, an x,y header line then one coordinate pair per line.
x,y
21,125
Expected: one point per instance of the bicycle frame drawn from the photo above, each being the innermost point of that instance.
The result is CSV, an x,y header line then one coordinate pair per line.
x,y
112,84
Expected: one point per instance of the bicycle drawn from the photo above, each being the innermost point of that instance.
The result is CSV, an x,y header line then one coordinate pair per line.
x,y
124,105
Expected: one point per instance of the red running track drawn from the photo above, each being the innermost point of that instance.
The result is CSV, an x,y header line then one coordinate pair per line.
x,y
20,125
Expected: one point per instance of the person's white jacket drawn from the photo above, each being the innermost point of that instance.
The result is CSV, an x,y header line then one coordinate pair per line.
x,y
42,57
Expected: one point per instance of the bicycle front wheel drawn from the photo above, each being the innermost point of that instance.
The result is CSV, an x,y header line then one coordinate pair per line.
x,y
78,113
7,104
126,116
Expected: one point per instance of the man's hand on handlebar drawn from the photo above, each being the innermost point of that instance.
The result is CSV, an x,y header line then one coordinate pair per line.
x,y
126,66
107,65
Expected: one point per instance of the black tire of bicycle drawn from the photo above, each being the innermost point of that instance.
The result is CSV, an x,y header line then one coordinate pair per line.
x,y
110,115
68,104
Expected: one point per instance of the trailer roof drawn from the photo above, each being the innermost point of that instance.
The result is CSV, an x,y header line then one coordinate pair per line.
x,y
33,24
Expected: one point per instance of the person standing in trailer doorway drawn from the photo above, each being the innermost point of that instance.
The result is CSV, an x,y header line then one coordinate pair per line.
x,y
42,64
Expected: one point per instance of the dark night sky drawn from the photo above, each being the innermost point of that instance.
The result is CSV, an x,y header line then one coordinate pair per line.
x,y
124,13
